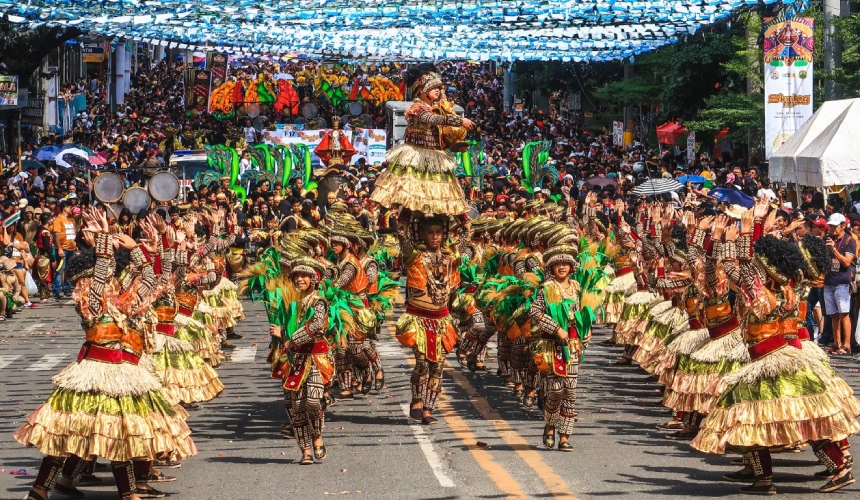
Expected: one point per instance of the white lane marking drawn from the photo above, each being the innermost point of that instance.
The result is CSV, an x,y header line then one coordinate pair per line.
x,y
244,355
33,327
439,470
389,349
47,362
8,359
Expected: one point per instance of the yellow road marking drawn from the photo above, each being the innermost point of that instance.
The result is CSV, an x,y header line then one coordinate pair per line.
x,y
498,474
556,485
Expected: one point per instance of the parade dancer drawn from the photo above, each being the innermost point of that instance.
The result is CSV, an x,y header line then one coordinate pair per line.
x,y
780,398
474,329
106,375
559,339
380,295
187,378
432,274
310,368
420,174
351,357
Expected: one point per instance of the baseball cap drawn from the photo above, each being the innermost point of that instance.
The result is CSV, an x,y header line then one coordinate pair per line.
x,y
820,222
22,203
836,219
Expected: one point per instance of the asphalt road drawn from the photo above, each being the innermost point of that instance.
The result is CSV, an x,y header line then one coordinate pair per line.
x,y
485,445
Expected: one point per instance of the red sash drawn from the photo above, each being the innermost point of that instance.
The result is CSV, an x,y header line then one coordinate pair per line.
x,y
166,328
105,355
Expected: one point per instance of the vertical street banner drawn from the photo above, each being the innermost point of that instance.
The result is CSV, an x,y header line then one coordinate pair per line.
x,y
200,89
216,62
788,45
691,146
617,133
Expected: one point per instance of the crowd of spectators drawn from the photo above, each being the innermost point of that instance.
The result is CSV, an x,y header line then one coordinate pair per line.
x,y
49,199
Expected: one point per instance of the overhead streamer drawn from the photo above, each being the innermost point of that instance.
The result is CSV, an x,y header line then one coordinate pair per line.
x,y
568,30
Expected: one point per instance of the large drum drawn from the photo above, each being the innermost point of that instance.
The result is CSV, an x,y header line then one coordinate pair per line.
x,y
108,187
136,199
163,186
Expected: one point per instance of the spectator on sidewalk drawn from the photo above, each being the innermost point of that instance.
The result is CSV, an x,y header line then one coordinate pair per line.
x,y
837,282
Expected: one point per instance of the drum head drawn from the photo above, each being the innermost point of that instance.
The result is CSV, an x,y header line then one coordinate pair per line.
x,y
163,186
108,187
356,108
136,199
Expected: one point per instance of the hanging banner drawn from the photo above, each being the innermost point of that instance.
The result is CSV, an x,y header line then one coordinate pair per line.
x,y
369,143
617,133
788,46
199,91
216,62
8,90
691,146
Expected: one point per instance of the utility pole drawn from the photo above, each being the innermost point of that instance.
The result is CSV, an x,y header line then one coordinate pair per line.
x,y
755,71
112,84
832,49
628,110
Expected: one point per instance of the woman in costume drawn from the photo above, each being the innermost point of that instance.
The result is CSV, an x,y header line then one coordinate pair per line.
x,y
310,368
186,376
420,175
780,398
557,343
105,404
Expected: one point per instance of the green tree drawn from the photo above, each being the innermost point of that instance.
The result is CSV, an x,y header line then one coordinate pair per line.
x,y
22,50
849,74
739,105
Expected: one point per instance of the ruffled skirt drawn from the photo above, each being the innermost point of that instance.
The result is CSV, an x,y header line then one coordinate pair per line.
x,y
696,383
616,291
225,308
635,314
117,411
778,400
653,354
422,180
186,376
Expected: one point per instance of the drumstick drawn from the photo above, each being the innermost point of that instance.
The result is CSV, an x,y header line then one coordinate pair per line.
x,y
115,216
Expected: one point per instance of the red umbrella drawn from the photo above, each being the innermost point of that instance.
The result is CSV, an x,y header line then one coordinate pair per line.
x,y
97,159
670,132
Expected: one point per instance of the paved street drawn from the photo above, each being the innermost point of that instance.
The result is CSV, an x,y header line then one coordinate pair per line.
x,y
485,446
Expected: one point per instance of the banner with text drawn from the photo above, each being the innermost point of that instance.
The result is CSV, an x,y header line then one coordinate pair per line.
x,y
788,46
369,143
8,90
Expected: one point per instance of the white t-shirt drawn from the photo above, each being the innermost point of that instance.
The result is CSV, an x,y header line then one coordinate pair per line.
x,y
250,134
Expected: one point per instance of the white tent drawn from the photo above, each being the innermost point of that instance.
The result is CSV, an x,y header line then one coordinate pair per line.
x,y
825,151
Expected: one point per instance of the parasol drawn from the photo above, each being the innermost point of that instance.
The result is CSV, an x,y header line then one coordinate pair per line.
x,y
97,159
32,165
657,186
46,153
600,182
73,158
732,197
692,179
